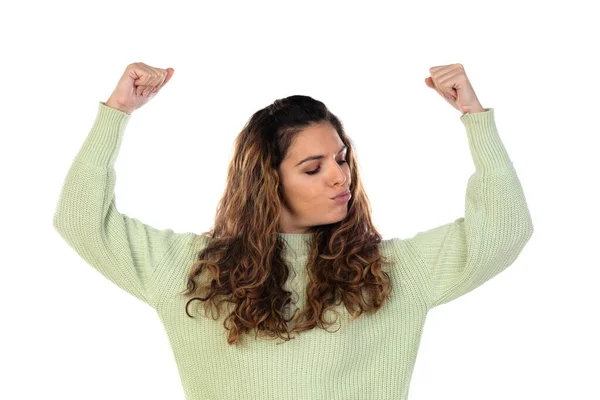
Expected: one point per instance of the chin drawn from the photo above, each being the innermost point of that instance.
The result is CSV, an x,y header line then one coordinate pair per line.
x,y
334,221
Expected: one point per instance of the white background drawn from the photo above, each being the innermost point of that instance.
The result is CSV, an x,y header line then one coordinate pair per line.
x,y
529,333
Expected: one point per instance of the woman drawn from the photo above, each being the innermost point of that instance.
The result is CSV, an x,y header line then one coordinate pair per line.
x,y
294,229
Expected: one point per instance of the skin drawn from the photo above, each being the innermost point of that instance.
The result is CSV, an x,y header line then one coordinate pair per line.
x,y
307,198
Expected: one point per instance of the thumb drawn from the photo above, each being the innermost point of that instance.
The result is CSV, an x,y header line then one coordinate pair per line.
x,y
429,82
170,72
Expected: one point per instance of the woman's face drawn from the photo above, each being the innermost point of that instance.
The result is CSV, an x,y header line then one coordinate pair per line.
x,y
309,183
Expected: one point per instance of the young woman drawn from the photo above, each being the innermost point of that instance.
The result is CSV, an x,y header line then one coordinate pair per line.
x,y
293,250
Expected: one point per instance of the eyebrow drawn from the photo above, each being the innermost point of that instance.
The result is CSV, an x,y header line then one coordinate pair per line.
x,y
318,157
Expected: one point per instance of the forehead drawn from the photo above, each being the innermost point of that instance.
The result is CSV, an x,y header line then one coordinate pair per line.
x,y
316,139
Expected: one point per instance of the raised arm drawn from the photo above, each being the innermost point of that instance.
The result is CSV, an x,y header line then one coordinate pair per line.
x,y
459,256
123,249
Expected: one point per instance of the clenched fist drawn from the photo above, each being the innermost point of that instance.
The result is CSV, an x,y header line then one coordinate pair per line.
x,y
139,83
451,82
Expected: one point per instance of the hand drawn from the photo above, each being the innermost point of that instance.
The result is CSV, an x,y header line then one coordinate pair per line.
x,y
451,82
137,86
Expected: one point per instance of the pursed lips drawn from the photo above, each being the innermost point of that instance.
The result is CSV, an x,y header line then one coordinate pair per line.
x,y
342,194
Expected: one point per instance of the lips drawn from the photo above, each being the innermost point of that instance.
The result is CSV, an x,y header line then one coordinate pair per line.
x,y
342,194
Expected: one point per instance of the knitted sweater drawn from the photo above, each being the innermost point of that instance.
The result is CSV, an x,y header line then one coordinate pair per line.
x,y
371,357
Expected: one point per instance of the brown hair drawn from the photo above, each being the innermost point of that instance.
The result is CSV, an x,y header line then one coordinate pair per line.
x,y
244,258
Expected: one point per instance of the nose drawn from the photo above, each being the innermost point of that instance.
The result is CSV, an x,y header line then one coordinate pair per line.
x,y
339,174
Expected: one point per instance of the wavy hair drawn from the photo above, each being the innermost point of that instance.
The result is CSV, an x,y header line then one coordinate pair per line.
x,y
244,257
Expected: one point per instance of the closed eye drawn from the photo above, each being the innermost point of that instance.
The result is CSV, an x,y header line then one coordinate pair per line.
x,y
317,170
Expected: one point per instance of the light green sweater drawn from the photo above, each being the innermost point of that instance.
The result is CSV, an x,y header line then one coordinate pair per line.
x,y
371,357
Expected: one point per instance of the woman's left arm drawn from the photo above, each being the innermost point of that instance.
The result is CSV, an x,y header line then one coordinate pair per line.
x,y
457,257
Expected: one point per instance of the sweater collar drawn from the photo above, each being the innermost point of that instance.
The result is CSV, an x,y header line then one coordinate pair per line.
x,y
299,242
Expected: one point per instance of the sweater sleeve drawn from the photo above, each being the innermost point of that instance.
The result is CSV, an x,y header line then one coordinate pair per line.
x,y
121,248
457,257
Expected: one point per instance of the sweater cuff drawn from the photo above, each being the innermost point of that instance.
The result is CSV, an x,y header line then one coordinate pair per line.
x,y
487,150
102,144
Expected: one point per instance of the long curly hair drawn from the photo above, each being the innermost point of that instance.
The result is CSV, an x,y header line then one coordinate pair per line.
x,y
244,258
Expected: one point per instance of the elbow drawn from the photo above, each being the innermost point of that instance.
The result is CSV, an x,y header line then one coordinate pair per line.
x,y
524,229
522,239
56,222
528,236
529,229
59,224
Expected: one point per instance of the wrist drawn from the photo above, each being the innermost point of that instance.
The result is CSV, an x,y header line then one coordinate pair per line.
x,y
475,110
113,104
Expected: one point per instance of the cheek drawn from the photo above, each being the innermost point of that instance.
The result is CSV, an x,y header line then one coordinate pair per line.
x,y
295,189
304,194
307,193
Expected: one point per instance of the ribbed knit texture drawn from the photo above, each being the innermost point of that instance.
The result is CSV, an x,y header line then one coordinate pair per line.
x,y
371,357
